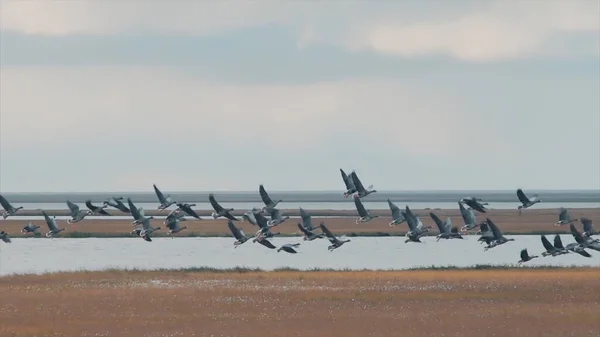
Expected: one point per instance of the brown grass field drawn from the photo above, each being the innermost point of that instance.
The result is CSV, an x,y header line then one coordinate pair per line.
x,y
528,302
509,221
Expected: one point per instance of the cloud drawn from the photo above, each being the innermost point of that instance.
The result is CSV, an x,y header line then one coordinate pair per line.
x,y
470,31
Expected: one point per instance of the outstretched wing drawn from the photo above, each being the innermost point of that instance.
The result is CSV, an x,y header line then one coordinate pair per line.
x,y
494,228
360,208
135,212
218,208
395,210
235,231
267,243
357,183
306,219
580,240
558,242
74,208
524,255
327,232
522,197
440,225
347,181
49,221
547,245
88,204
587,224
467,215
159,194
304,230
564,215
265,196
275,213
5,204
261,220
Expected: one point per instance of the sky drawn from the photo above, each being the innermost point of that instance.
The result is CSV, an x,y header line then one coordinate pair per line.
x,y
222,96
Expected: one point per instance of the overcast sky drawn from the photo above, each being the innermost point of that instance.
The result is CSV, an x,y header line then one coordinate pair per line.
x,y
207,95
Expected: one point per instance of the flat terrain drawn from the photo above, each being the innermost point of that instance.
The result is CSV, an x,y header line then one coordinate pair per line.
x,y
509,221
526,302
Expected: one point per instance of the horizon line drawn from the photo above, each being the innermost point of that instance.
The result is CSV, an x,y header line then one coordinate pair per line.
x,y
300,191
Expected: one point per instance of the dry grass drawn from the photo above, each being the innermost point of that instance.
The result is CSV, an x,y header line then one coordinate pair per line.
x,y
537,221
406,303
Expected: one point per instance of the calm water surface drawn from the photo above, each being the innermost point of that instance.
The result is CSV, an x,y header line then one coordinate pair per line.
x,y
38,255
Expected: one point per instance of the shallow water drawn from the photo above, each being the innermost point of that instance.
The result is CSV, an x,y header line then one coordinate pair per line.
x,y
38,255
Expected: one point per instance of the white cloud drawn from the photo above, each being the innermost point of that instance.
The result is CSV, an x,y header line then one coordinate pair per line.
x,y
69,104
493,31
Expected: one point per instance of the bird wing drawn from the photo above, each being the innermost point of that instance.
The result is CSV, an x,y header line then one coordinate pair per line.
x,y
235,231
558,242
304,230
563,215
467,215
275,213
306,219
357,183
494,228
5,204
347,181
587,224
266,243
524,255
448,225
134,210
74,208
218,208
327,232
49,221
410,219
576,234
261,220
173,224
231,217
159,194
522,197
88,204
440,225
395,210
360,208
146,224
265,196
547,245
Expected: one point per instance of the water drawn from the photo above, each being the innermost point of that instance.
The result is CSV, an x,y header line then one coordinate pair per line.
x,y
348,205
46,255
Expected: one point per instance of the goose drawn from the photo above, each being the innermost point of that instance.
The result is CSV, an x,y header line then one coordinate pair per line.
x,y
306,220
553,250
350,188
446,229
30,228
468,217
8,208
361,192
474,203
138,213
219,210
308,234
52,227
276,217
76,213
165,200
175,214
486,233
397,217
571,247
96,209
238,234
588,227
499,239
249,216
526,257
364,215
335,242
526,202
187,209
265,229
117,203
415,225
266,243
147,229
585,242
4,237
564,218
173,225
269,203
289,248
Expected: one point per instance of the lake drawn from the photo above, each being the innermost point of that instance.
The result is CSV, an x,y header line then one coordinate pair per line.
x,y
38,255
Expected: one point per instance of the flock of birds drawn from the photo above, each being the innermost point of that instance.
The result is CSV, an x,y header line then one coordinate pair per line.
x,y
269,216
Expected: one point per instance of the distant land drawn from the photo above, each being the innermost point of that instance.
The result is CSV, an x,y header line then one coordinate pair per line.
x,y
309,196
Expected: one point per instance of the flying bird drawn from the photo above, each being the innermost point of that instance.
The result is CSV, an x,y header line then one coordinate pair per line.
x,y
173,224
588,227
350,188
276,217
415,225
474,203
526,202
364,215
564,218
53,229
219,210
553,250
445,228
137,213
585,242
8,208
165,200
571,247
308,234
306,220
76,213
361,192
187,209
117,203
96,209
4,237
397,217
237,233
335,242
526,257
289,248
468,217
147,229
499,239
30,228
269,203
249,216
